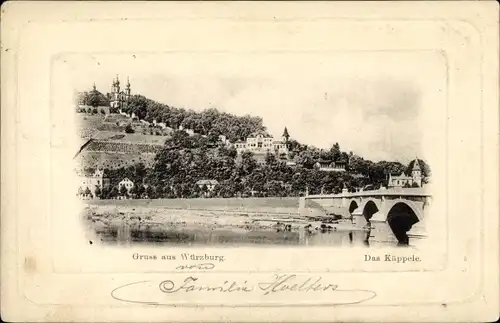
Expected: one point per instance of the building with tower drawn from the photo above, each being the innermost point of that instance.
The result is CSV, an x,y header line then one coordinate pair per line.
x,y
402,180
261,142
119,99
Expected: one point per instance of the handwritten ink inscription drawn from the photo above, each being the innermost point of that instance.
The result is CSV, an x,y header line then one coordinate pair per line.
x,y
165,291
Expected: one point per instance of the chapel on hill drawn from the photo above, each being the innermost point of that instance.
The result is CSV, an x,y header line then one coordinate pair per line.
x,y
118,98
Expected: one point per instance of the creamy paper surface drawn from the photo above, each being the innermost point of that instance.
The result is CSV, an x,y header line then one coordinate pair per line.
x,y
50,271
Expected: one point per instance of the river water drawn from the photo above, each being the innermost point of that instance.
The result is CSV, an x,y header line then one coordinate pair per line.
x,y
230,237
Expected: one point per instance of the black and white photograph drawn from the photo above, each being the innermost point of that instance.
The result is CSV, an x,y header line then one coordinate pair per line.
x,y
333,158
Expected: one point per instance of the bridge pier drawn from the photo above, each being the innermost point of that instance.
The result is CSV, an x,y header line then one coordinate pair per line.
x,y
344,198
302,203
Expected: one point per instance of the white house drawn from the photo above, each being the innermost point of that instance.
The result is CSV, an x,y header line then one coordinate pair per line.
x,y
127,183
331,166
91,180
209,183
261,142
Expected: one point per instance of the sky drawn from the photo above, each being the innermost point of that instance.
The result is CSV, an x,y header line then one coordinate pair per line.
x,y
375,104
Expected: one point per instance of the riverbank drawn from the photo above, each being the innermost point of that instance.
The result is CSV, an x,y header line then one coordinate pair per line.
x,y
152,218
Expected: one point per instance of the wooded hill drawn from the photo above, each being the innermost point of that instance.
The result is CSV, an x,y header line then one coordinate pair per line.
x,y
184,160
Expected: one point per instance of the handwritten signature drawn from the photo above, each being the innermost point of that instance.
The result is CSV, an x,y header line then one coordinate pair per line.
x,y
279,283
204,266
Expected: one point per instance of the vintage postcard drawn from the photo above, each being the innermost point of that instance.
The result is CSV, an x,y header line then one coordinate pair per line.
x,y
279,161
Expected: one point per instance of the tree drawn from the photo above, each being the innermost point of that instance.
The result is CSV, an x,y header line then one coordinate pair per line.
x,y
123,190
335,150
103,111
248,163
98,191
167,192
134,191
139,105
150,192
113,193
196,191
140,188
88,192
270,159
306,159
95,98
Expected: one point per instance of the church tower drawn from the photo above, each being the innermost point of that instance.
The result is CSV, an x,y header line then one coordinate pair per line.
x,y
115,100
416,173
285,136
117,85
119,99
127,88
127,92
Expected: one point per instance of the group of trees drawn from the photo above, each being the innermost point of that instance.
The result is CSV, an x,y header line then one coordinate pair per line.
x,y
209,122
93,98
184,160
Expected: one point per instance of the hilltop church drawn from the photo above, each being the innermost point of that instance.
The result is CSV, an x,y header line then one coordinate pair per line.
x,y
119,99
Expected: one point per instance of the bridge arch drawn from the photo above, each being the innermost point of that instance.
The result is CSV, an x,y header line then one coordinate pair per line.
x,y
369,209
401,217
353,206
411,204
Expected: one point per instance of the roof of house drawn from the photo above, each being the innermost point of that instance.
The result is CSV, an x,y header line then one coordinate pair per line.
x,y
401,176
207,182
259,132
88,172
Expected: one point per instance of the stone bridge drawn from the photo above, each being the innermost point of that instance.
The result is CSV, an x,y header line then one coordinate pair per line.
x,y
398,211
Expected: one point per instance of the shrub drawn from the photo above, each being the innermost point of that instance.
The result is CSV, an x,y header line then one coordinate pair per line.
x,y
129,129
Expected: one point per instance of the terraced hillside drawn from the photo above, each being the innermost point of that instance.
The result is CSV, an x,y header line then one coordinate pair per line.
x,y
113,160
111,149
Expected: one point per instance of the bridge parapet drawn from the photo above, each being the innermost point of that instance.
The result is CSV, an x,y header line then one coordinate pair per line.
x,y
407,192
